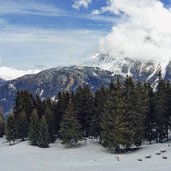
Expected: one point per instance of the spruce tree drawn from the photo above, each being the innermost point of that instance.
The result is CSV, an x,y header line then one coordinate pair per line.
x,y
22,125
162,117
83,101
34,128
70,128
59,109
50,119
108,123
23,103
99,101
149,121
2,124
43,137
10,129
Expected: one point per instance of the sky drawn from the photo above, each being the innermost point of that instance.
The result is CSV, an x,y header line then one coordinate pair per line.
x,y
40,34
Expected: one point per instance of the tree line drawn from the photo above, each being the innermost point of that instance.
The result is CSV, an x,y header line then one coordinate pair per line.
x,y
119,116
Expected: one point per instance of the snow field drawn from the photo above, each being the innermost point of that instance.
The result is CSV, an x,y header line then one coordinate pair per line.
x,y
89,156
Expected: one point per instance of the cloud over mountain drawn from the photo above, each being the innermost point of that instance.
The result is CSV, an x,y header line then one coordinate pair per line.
x,y
7,73
143,30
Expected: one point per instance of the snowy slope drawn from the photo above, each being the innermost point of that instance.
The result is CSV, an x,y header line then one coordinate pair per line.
x,y
88,157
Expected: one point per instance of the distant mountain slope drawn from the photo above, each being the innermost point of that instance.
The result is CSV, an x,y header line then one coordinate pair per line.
x,y
49,82
2,82
139,70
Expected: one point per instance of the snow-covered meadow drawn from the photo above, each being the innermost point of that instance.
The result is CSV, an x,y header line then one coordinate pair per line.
x,y
89,156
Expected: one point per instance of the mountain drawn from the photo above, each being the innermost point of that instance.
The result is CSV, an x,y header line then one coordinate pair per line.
x,y
2,82
101,70
49,82
139,69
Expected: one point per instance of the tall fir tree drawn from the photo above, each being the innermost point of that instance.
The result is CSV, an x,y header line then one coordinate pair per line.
x,y
150,121
99,101
43,137
110,119
50,119
24,103
2,124
70,128
59,109
10,129
22,126
162,117
83,101
34,128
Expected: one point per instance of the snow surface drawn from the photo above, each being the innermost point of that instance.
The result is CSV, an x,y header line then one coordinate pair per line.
x,y
89,156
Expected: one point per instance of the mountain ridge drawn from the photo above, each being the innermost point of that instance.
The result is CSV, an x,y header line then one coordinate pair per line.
x,y
49,82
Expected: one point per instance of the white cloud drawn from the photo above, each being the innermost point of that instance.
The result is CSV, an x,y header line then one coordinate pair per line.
x,y
143,30
23,48
31,7
81,3
7,73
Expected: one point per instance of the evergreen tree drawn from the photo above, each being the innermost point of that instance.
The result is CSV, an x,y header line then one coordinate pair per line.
x,y
10,129
34,128
162,117
50,119
24,103
83,101
168,101
136,106
22,125
38,104
2,125
149,121
112,134
108,123
43,137
70,127
99,101
59,109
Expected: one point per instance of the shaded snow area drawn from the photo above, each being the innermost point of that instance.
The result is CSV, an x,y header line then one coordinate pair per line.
x,y
89,156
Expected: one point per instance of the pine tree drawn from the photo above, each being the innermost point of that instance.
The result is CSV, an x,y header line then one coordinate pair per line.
x,y
22,126
149,121
70,127
83,101
39,106
34,128
108,123
43,137
59,109
2,125
50,119
99,101
112,123
162,118
10,129
23,103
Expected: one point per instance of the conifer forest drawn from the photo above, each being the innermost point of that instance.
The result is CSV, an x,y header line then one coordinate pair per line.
x,y
120,116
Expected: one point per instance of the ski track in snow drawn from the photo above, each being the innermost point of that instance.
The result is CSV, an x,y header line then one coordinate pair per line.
x,y
89,156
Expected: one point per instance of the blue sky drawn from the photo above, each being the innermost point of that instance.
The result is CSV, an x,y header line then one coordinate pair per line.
x,y
47,33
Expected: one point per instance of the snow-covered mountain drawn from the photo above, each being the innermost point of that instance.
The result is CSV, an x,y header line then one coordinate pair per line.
x,y
101,70
142,70
49,82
